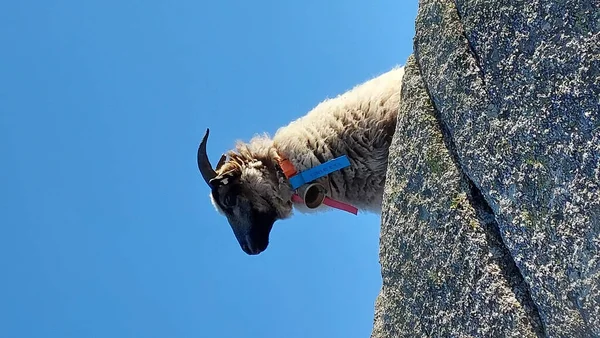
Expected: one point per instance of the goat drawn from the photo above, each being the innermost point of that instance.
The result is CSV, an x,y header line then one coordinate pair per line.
x,y
249,185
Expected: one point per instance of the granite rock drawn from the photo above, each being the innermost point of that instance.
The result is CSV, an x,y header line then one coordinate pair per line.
x,y
500,116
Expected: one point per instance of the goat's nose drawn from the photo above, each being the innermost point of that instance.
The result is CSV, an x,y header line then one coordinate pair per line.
x,y
249,248
246,248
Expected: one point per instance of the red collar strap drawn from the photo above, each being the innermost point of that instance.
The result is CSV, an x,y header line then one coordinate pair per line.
x,y
290,171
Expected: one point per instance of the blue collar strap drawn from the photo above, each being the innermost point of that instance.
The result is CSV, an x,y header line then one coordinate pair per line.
x,y
319,171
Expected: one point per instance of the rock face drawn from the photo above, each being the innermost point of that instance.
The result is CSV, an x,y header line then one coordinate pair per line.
x,y
491,221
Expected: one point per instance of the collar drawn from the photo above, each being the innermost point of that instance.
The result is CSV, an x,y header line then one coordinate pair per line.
x,y
298,179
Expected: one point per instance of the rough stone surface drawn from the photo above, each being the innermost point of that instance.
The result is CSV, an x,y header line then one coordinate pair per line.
x,y
515,90
445,270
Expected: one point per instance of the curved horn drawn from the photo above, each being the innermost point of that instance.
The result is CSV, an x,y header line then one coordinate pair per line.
x,y
204,165
221,161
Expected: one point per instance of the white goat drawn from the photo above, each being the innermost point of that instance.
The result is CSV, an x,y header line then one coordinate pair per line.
x,y
249,185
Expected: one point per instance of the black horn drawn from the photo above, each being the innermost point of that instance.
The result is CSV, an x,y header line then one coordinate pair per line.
x,y
204,165
221,161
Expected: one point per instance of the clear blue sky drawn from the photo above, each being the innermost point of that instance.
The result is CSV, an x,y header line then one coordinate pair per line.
x,y
106,228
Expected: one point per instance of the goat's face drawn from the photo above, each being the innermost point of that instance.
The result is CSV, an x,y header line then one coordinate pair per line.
x,y
247,210
247,195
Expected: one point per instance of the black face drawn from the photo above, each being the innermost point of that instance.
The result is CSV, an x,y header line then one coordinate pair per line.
x,y
257,238
250,226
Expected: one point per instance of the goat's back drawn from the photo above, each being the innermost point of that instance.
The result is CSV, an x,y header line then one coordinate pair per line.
x,y
360,124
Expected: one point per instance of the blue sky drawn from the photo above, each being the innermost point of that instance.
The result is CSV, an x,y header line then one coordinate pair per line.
x,y
106,227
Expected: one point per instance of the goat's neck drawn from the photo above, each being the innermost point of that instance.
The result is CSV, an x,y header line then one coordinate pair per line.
x,y
300,160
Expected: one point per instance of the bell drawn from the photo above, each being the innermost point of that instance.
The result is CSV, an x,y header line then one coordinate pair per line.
x,y
313,195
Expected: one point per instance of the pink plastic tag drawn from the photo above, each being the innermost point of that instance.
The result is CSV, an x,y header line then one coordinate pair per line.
x,y
330,202
339,205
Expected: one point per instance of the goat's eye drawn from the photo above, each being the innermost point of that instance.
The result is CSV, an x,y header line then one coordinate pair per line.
x,y
229,200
